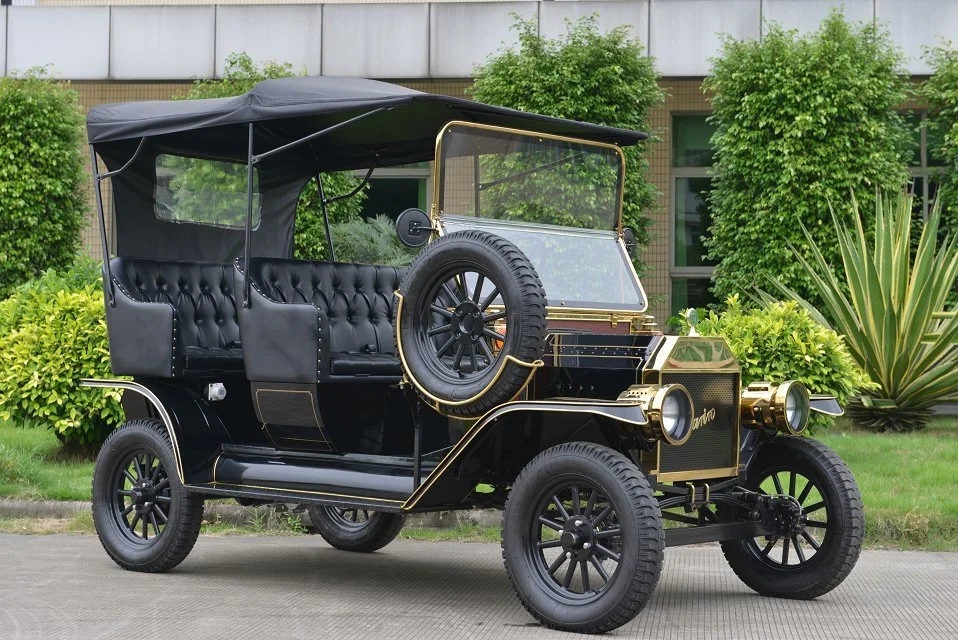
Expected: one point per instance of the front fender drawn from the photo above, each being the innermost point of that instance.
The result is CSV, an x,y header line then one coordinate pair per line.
x,y
533,426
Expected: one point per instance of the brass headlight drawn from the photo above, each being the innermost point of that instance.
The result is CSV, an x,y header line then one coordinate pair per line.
x,y
668,408
782,406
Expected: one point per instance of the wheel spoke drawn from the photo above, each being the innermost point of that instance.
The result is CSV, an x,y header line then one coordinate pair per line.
x,y
156,526
798,550
163,499
560,508
808,489
784,550
791,483
160,513
146,533
486,351
590,505
495,335
569,574
457,358
778,484
608,553
816,524
492,317
548,544
575,500
478,290
598,567
602,516
557,563
127,511
445,346
156,471
810,540
451,293
124,492
584,568
815,507
444,312
472,357
768,548
355,515
488,299
435,331
129,477
608,533
552,524
134,521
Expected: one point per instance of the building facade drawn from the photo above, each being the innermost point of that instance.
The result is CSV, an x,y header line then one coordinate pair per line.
x,y
118,50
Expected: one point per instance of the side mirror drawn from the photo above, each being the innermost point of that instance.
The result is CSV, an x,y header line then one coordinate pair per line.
x,y
628,236
413,228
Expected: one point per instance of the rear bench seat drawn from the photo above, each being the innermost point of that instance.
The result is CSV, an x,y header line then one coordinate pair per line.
x,y
173,319
312,322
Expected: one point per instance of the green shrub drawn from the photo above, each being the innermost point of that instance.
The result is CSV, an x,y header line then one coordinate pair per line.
x,y
584,75
888,312
372,241
801,120
52,333
239,76
941,93
781,341
41,177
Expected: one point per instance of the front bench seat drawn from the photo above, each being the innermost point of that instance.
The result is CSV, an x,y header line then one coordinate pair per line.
x,y
312,322
173,319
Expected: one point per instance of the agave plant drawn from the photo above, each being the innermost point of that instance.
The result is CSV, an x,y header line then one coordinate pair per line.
x,y
889,302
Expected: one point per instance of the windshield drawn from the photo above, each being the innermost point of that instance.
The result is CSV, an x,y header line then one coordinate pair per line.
x,y
506,175
579,268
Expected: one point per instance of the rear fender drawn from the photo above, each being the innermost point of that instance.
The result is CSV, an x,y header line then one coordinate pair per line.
x,y
195,430
502,442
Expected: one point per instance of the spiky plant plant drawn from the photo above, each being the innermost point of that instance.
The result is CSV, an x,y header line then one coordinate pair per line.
x,y
371,241
891,315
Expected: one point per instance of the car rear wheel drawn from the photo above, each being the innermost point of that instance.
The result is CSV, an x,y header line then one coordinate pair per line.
x,y
351,529
819,543
472,322
582,538
145,519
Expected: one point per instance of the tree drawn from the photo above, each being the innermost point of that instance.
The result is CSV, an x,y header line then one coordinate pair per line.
x,y
801,122
42,203
941,93
239,76
584,75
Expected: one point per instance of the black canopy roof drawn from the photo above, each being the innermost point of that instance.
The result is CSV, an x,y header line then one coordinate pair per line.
x,y
290,108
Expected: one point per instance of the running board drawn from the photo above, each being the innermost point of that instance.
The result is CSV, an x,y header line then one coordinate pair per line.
x,y
384,484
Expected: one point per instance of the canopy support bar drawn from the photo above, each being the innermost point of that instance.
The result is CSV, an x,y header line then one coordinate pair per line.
x,y
107,275
322,205
249,216
295,143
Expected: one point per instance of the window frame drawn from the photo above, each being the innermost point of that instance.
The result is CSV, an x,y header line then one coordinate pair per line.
x,y
675,173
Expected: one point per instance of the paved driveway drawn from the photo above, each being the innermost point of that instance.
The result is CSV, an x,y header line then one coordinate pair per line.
x,y
65,587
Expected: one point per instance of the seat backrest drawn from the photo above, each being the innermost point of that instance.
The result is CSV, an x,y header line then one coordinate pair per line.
x,y
201,292
356,299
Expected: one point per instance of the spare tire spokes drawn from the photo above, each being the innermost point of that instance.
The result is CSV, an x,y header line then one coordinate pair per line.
x,y
465,333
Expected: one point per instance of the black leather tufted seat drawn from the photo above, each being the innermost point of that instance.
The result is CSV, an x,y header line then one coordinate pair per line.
x,y
173,319
319,321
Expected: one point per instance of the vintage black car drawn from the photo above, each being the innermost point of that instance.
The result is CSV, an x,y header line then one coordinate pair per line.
x,y
511,365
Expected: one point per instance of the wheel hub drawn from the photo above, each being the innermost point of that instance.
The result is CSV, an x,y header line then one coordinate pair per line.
x,y
143,493
578,538
467,320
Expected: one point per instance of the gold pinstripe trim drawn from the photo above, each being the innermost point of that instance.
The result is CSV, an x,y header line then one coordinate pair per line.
x,y
299,491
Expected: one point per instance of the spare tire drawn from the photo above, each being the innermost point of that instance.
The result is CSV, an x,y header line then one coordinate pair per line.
x,y
471,322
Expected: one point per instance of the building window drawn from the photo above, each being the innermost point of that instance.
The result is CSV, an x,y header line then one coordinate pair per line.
x,y
690,270
924,164
392,190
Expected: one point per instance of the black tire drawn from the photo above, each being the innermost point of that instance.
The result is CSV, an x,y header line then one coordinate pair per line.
x,y
631,532
123,517
436,298
831,502
356,530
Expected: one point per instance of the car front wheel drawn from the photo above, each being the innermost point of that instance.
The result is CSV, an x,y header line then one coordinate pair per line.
x,y
582,538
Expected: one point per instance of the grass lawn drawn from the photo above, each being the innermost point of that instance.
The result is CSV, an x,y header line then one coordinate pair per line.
x,y
32,467
907,483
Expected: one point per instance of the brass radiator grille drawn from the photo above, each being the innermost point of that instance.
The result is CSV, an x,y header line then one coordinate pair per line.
x,y
715,444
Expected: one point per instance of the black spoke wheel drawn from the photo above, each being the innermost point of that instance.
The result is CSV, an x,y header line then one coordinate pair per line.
x,y
820,522
355,529
472,306
582,538
145,519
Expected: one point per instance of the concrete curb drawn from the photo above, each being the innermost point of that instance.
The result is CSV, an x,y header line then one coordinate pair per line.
x,y
239,515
